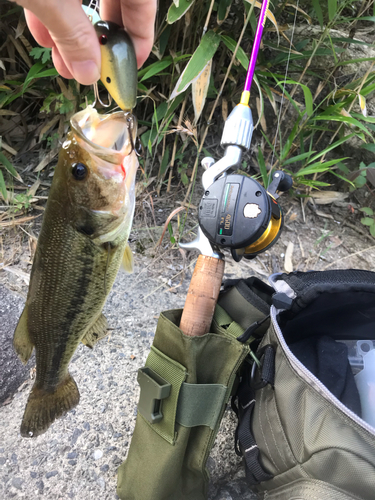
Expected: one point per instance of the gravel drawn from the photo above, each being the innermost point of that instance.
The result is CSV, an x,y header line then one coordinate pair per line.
x,y
78,457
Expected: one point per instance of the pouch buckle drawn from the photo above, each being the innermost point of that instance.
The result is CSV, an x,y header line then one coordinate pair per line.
x,y
153,390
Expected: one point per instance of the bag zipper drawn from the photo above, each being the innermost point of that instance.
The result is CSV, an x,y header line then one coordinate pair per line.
x,y
315,382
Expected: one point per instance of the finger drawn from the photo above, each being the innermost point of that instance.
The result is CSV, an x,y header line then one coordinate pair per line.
x,y
59,63
138,17
73,35
38,30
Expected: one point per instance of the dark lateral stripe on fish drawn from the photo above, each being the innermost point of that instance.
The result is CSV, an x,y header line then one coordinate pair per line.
x,y
76,307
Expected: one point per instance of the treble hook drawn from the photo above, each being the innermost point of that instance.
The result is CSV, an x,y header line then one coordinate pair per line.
x,y
135,147
97,97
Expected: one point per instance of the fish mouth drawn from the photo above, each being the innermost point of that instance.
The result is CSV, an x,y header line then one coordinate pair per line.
x,y
109,137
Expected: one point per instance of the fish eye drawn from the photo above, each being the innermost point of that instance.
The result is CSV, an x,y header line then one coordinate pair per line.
x,y
79,171
103,39
108,79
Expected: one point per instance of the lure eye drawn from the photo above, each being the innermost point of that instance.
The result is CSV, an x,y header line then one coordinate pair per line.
x,y
79,171
103,39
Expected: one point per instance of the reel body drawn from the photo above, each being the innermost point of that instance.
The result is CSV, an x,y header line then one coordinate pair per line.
x,y
236,212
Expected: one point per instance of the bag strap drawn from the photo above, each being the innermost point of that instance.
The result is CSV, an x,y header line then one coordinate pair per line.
x,y
245,444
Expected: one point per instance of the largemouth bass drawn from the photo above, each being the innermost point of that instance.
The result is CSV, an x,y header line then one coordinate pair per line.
x,y
81,246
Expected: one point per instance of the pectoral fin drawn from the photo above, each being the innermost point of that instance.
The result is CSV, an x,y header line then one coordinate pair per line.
x,y
96,332
127,263
21,340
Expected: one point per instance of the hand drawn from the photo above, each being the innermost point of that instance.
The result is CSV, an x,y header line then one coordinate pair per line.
x,y
63,26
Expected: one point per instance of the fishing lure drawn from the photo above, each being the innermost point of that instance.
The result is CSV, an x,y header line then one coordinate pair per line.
x,y
119,64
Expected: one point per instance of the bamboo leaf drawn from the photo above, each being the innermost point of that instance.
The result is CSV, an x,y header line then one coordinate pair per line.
x,y
155,68
198,61
308,18
175,12
307,94
300,157
343,119
199,90
261,102
4,160
164,162
332,9
369,147
332,146
318,12
3,188
263,169
270,16
353,61
290,139
240,55
317,167
223,10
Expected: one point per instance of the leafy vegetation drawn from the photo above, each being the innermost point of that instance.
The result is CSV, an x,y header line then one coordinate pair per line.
x,y
313,82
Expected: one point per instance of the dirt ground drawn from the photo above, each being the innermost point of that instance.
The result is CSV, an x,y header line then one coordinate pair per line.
x,y
79,455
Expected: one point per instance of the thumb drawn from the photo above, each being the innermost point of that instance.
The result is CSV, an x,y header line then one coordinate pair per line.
x,y
72,34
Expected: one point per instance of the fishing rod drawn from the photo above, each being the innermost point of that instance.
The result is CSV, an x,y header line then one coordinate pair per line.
x,y
235,212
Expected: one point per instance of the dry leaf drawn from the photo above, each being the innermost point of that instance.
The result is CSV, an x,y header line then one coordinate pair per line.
x,y
18,272
48,125
32,191
224,109
288,264
327,197
262,119
132,357
199,90
293,217
22,52
324,215
47,159
8,148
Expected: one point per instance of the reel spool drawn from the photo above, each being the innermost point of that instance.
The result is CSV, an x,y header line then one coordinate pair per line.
x,y
236,212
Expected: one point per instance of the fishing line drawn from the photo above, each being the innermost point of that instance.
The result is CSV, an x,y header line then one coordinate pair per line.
x,y
285,76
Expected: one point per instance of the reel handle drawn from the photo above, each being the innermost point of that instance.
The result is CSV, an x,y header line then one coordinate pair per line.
x,y
202,296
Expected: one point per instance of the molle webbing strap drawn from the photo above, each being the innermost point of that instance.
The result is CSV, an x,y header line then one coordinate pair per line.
x,y
175,374
246,301
200,404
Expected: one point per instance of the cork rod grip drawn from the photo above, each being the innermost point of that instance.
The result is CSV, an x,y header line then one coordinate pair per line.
x,y
202,296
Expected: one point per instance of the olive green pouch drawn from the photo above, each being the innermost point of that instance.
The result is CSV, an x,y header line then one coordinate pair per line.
x,y
185,387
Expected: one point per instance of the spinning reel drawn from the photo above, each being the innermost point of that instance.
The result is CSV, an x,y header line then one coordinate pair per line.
x,y
235,211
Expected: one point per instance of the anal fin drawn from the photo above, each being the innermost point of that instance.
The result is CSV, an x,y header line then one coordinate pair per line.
x,y
127,263
96,332
21,340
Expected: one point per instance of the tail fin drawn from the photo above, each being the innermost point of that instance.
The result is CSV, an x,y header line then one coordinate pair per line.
x,y
43,407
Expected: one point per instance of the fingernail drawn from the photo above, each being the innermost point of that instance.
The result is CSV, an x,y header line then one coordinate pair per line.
x,y
85,72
